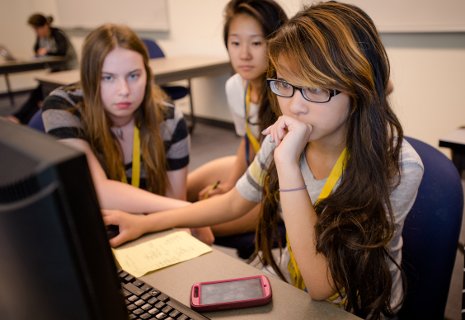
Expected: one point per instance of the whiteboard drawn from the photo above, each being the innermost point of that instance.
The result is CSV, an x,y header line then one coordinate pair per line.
x,y
414,15
150,15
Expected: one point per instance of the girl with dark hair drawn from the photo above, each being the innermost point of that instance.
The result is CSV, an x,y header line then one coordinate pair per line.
x,y
50,41
334,166
248,24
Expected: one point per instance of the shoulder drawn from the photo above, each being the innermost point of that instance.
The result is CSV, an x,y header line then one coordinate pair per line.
x,y
410,158
174,126
64,97
170,112
235,87
56,32
61,112
234,83
411,174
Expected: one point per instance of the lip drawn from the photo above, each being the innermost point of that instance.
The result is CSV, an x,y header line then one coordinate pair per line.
x,y
245,68
123,105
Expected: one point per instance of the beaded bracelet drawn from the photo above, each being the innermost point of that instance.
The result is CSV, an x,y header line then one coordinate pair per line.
x,y
293,189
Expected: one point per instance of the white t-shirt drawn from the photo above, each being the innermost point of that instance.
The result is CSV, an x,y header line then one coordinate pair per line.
x,y
235,94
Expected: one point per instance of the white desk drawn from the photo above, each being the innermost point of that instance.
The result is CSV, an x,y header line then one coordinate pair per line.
x,y
288,302
22,65
165,70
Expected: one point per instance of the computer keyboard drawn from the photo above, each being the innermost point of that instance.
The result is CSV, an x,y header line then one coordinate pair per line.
x,y
145,302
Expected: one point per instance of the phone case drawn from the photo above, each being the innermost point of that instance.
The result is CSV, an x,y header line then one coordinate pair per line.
x,y
253,291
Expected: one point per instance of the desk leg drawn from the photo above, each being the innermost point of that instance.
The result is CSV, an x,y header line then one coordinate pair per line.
x,y
192,115
8,88
458,158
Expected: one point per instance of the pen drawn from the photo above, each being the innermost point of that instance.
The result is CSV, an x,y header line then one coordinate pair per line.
x,y
217,183
213,187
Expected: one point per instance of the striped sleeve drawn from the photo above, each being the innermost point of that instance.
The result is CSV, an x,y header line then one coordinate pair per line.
x,y
61,115
176,139
250,185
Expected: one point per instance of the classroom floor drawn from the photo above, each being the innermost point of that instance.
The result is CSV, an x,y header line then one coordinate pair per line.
x,y
209,142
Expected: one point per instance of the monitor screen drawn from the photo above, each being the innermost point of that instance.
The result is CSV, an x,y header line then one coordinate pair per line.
x,y
55,260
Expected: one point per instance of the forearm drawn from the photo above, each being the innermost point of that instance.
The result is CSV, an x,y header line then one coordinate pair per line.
x,y
215,210
300,220
121,196
116,195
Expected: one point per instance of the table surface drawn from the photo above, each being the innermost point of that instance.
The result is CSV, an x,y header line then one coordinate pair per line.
x,y
288,302
28,64
165,70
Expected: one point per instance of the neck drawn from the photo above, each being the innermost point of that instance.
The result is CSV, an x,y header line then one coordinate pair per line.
x,y
122,122
322,155
123,130
256,86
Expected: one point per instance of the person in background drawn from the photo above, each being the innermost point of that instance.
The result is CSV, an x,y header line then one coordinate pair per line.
x,y
248,24
335,167
137,144
50,41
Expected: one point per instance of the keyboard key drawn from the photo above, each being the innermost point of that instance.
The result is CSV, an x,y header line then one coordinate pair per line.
x,y
163,297
145,302
133,289
154,311
161,315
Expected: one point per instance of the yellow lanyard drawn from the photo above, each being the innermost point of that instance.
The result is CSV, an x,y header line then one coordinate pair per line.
x,y
336,172
250,137
135,160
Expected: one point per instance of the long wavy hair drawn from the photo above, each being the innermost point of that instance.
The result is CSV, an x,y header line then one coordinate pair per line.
x,y
148,116
270,16
335,45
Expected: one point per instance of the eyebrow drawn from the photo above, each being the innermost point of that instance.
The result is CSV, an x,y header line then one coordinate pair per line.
x,y
249,35
132,71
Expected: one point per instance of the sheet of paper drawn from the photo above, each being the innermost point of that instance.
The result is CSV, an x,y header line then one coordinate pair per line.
x,y
159,253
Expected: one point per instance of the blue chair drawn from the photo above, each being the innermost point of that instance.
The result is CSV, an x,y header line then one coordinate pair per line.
x,y
430,235
174,92
36,121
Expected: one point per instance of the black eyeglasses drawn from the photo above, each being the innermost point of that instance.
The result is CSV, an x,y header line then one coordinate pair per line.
x,y
285,89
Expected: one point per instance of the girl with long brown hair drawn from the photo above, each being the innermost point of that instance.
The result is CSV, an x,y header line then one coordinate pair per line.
x,y
334,166
137,144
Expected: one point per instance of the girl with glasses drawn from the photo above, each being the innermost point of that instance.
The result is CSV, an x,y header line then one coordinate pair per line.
x,y
336,170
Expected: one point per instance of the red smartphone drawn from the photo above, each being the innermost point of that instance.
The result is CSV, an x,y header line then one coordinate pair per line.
x,y
231,293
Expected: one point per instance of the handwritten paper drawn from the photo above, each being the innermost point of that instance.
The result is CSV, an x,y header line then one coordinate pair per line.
x,y
159,253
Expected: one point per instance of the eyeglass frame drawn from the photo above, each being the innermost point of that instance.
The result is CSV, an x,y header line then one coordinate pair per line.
x,y
332,92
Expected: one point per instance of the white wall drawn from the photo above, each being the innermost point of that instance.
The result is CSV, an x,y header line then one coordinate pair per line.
x,y
428,70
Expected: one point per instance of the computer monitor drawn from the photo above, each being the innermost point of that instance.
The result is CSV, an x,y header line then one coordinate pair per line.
x,y
55,260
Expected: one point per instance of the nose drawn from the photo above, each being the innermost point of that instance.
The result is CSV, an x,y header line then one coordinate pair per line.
x,y
297,104
244,52
123,87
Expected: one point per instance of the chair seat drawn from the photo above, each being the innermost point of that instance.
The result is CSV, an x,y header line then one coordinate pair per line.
x,y
175,92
